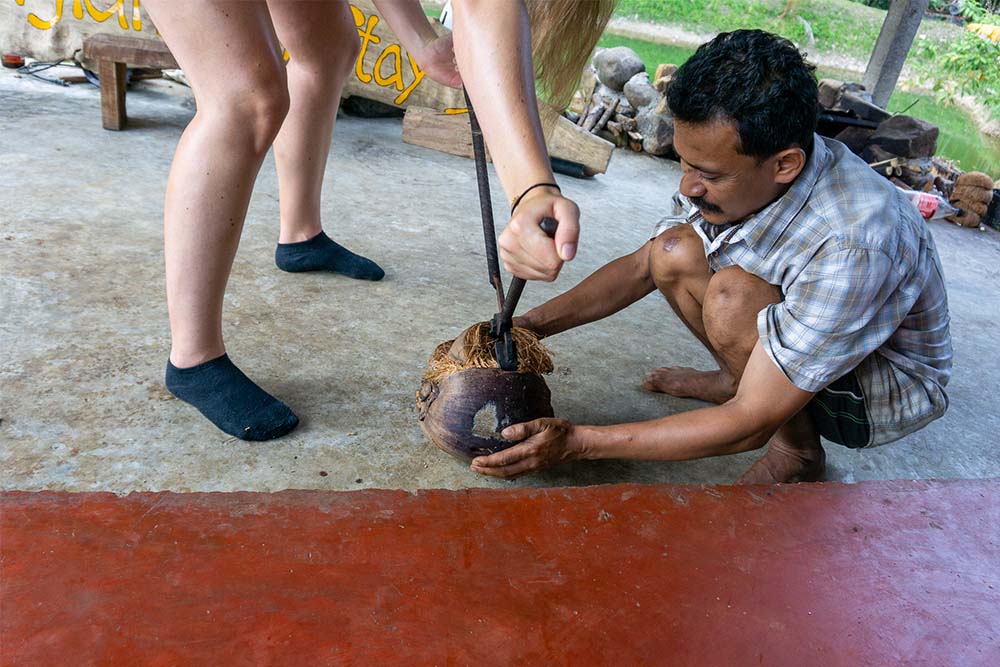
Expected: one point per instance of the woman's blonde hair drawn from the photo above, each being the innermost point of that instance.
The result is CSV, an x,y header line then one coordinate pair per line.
x,y
563,35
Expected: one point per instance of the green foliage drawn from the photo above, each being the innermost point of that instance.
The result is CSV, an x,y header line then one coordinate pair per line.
x,y
973,63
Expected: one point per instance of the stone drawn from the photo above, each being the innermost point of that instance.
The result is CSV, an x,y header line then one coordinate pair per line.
x,y
662,83
657,130
615,66
872,154
639,92
862,107
855,138
906,136
665,69
588,82
829,92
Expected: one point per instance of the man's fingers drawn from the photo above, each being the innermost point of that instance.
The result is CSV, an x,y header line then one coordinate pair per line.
x,y
523,430
504,458
515,469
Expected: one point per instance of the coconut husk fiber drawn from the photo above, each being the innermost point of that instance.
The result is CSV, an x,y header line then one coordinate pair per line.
x,y
475,349
465,400
973,193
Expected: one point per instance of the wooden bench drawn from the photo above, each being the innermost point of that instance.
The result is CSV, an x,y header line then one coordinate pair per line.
x,y
112,53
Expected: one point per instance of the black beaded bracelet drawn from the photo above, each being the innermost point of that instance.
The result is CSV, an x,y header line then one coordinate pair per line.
x,y
536,185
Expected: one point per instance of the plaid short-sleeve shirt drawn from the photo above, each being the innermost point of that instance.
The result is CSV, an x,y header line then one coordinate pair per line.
x,y
861,281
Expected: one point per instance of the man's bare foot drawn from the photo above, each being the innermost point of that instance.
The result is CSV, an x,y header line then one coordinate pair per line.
x,y
782,464
712,386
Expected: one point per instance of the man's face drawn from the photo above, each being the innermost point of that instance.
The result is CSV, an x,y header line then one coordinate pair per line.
x,y
724,184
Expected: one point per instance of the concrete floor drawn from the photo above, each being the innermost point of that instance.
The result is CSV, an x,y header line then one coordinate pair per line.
x,y
84,330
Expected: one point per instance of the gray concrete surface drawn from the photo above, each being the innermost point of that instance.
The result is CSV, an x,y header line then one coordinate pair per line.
x,y
84,332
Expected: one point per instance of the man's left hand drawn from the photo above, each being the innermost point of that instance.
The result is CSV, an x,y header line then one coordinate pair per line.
x,y
545,442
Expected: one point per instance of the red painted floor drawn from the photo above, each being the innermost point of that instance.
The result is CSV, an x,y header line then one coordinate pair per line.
x,y
866,574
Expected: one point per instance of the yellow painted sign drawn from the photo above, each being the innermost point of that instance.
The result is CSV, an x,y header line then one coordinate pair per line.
x,y
396,76
117,8
392,69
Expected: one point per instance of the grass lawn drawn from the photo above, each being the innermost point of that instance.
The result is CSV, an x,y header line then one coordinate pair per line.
x,y
839,26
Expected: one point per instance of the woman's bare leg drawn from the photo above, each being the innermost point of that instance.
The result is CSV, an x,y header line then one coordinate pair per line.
x,y
229,53
322,41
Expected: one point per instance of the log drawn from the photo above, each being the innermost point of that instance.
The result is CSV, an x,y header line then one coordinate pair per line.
x,y
605,117
595,113
617,135
449,133
635,141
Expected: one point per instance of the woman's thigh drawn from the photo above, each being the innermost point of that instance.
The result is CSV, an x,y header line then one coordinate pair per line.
x,y
225,47
318,32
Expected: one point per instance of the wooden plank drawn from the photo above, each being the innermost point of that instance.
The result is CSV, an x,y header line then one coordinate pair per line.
x,y
134,51
449,133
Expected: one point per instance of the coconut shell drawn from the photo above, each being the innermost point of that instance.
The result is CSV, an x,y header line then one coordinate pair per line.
x,y
969,194
976,179
978,208
464,413
966,219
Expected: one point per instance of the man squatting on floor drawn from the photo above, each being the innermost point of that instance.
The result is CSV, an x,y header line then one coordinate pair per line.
x,y
814,284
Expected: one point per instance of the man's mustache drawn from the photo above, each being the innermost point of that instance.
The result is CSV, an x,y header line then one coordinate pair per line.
x,y
704,205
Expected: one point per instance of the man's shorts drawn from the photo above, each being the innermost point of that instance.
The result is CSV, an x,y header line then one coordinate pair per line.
x,y
839,413
873,404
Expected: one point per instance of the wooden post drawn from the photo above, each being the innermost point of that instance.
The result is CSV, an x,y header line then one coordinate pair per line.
x,y
894,41
112,75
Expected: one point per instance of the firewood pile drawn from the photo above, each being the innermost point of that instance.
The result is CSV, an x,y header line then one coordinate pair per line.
x,y
902,148
618,102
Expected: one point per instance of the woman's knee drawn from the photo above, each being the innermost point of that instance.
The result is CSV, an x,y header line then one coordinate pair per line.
x,y
676,254
254,110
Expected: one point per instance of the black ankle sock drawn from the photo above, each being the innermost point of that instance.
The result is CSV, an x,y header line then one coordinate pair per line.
x,y
321,253
231,400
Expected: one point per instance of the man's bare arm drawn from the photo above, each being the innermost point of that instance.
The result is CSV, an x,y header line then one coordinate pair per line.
x,y
765,400
606,291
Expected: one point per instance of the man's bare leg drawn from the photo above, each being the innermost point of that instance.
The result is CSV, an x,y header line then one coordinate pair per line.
x,y
681,273
794,454
723,314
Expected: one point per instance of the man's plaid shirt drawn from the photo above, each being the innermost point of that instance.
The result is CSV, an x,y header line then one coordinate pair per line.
x,y
862,282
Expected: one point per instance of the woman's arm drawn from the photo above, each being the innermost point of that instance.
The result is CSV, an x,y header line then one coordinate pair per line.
x,y
493,49
492,46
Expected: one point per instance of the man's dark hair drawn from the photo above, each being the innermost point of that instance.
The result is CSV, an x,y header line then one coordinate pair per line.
x,y
756,80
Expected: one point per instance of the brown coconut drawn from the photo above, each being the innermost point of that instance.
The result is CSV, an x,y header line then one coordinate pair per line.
x,y
466,400
976,179
973,193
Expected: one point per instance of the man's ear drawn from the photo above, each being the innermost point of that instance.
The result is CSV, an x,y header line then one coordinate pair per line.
x,y
788,164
